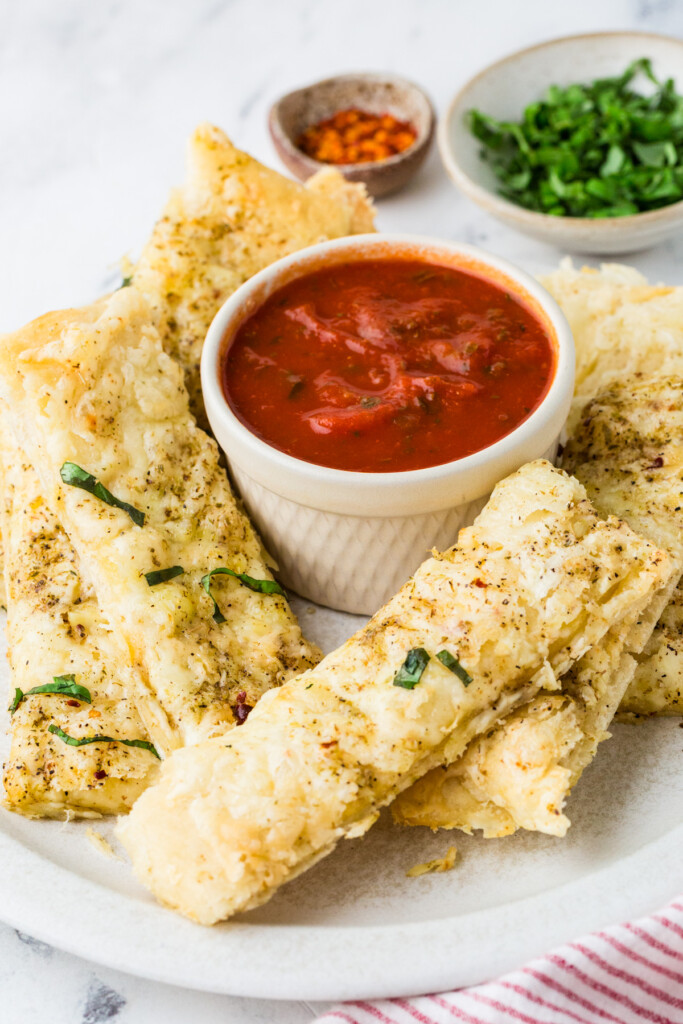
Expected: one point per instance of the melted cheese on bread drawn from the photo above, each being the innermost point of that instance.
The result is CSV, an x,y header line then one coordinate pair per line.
x,y
232,218
657,685
520,774
628,452
622,325
529,588
55,628
94,387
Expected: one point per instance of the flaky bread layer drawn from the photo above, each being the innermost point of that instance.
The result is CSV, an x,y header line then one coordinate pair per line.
x,y
95,388
528,589
55,628
622,325
190,269
628,452
230,219
521,772
657,684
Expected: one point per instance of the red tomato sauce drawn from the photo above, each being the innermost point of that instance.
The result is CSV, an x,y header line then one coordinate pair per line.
x,y
387,365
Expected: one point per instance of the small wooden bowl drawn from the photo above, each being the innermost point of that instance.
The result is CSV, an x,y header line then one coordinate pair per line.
x,y
378,94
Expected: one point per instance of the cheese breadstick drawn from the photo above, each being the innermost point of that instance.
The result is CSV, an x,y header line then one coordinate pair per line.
x,y
231,218
55,631
103,415
623,325
527,590
628,452
520,773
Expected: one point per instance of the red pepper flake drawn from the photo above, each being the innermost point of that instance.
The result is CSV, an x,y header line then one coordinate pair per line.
x,y
479,583
356,136
241,709
329,743
100,774
656,463
73,703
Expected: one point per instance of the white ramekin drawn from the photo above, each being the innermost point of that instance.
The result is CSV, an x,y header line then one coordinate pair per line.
x,y
349,540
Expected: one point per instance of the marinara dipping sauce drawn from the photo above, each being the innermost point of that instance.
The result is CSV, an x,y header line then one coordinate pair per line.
x,y
386,365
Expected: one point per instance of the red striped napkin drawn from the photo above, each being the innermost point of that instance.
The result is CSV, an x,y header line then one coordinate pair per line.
x,y
623,975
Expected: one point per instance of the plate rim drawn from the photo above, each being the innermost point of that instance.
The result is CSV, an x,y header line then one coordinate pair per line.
x,y
368,961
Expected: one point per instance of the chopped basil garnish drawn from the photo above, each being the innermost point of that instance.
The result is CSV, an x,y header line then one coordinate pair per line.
x,y
452,663
594,149
72,741
77,477
127,281
163,575
410,672
260,586
65,685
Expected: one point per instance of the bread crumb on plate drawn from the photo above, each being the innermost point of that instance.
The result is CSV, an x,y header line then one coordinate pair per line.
x,y
444,863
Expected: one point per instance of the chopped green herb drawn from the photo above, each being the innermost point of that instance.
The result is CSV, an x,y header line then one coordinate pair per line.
x,y
451,662
599,149
65,685
260,586
127,281
72,741
157,576
77,477
410,672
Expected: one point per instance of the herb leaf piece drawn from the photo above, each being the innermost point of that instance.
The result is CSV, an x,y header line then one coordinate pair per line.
x,y
65,685
410,672
157,576
72,741
260,586
77,477
450,662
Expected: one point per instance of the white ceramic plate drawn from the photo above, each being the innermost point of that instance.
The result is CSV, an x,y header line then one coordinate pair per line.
x,y
355,926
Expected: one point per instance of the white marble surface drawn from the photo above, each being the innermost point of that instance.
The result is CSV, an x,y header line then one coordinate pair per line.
x,y
96,99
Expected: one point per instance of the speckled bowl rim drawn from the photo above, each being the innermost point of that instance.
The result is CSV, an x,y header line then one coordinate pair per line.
x,y
423,138
511,211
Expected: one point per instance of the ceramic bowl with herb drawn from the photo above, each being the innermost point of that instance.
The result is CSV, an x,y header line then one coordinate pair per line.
x,y
374,93
606,182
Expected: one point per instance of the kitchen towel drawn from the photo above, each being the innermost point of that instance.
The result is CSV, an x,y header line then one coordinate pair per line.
x,y
626,974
